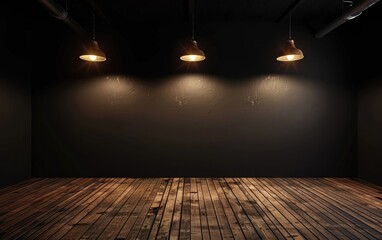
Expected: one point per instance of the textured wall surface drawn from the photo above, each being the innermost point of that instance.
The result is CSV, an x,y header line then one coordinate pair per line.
x,y
15,106
370,131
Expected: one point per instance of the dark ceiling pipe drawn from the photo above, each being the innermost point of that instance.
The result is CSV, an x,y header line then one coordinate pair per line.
x,y
348,15
61,13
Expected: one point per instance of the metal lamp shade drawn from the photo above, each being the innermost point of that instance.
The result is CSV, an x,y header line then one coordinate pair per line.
x,y
192,53
290,53
94,53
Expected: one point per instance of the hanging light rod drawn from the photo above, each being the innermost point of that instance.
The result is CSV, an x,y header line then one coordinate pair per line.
x,y
289,52
93,52
346,16
192,53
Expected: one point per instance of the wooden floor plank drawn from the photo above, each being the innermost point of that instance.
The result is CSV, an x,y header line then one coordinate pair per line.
x,y
225,229
25,190
159,216
12,209
269,203
87,207
130,228
65,212
361,191
19,186
175,225
185,222
96,228
48,215
191,208
121,216
231,217
158,203
288,213
165,225
358,200
349,228
298,210
14,190
349,211
236,199
273,227
321,222
212,220
196,225
24,212
324,210
253,214
134,231
94,212
203,212
295,214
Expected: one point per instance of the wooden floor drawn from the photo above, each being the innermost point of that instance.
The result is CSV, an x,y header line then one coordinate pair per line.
x,y
191,208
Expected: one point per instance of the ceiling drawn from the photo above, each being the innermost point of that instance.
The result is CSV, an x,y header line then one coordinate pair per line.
x,y
123,13
208,10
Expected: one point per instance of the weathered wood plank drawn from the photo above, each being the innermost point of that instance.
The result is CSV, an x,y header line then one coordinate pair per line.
x,y
175,225
121,216
160,215
165,225
326,208
130,228
144,213
94,213
96,229
220,214
259,204
67,213
196,225
185,222
348,210
231,217
277,212
297,210
154,214
203,211
47,216
213,224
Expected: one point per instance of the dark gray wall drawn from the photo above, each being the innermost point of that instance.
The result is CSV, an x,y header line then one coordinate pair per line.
x,y
370,130
15,103
239,113
369,79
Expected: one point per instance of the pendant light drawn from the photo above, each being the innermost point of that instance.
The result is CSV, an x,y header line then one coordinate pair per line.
x,y
192,53
93,52
289,52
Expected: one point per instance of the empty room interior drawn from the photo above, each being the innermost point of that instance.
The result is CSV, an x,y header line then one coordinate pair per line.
x,y
191,119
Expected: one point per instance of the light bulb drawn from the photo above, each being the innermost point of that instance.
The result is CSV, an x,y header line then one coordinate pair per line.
x,y
290,57
192,57
93,57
